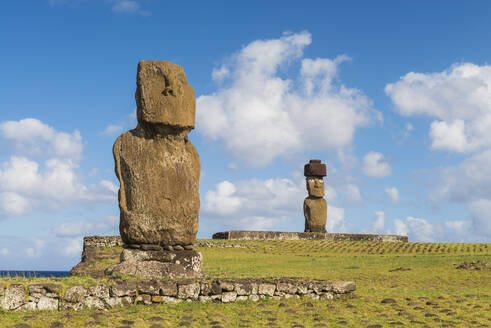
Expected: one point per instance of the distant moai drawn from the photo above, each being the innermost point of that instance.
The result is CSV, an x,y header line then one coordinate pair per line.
x,y
315,206
158,169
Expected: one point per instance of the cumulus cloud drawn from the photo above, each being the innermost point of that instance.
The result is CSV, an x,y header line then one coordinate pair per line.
x,y
378,223
25,186
417,229
260,115
336,220
376,165
393,194
73,246
353,193
263,204
272,196
459,98
480,210
30,136
83,228
468,181
128,7
4,251
36,250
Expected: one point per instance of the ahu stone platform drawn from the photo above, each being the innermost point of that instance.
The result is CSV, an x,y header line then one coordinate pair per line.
x,y
278,235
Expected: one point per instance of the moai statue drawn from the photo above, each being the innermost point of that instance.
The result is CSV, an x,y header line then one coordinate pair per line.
x,y
158,170
315,206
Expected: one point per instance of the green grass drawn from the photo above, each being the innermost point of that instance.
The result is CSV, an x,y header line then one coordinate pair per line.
x,y
428,275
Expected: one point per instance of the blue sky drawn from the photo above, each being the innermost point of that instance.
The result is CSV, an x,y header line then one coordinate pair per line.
x,y
395,96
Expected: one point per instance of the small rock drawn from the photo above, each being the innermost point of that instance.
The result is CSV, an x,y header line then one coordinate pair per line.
x,y
188,247
151,247
56,324
178,248
388,301
168,248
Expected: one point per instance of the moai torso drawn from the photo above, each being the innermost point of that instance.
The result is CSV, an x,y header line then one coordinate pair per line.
x,y
315,206
157,166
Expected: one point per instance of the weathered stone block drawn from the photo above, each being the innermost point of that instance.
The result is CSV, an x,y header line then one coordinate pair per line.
x,y
143,299
343,287
94,302
226,286
188,290
157,299
156,269
228,297
267,289
168,288
113,301
170,300
163,95
47,303
149,287
205,299
100,291
244,288
14,297
286,287
123,289
205,288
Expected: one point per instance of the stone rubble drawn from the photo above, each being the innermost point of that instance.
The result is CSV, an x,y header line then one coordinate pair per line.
x,y
17,297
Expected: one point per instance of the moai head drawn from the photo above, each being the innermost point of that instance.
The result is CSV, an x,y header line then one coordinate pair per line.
x,y
315,186
315,171
163,95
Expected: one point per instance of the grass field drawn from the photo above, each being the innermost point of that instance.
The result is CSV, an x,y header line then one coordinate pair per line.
x,y
398,284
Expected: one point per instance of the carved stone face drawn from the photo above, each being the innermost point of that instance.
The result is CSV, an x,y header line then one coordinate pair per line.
x,y
315,186
163,95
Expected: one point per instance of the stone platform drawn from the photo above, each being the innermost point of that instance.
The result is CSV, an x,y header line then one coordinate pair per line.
x,y
278,235
18,297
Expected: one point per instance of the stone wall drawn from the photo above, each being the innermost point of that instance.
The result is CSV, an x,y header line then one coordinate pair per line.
x,y
278,235
18,297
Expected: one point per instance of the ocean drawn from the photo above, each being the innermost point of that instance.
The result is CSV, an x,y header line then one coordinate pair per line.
x,y
34,274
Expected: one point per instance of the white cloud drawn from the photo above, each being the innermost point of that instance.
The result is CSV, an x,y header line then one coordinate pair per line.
x,y
36,250
83,228
4,251
378,223
112,129
129,121
13,204
255,197
481,219
73,247
335,219
259,115
393,194
417,229
128,7
222,200
449,136
459,98
376,165
32,137
264,204
470,180
353,193
24,186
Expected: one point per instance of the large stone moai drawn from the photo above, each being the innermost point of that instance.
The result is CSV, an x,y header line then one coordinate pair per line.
x,y
315,206
158,170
